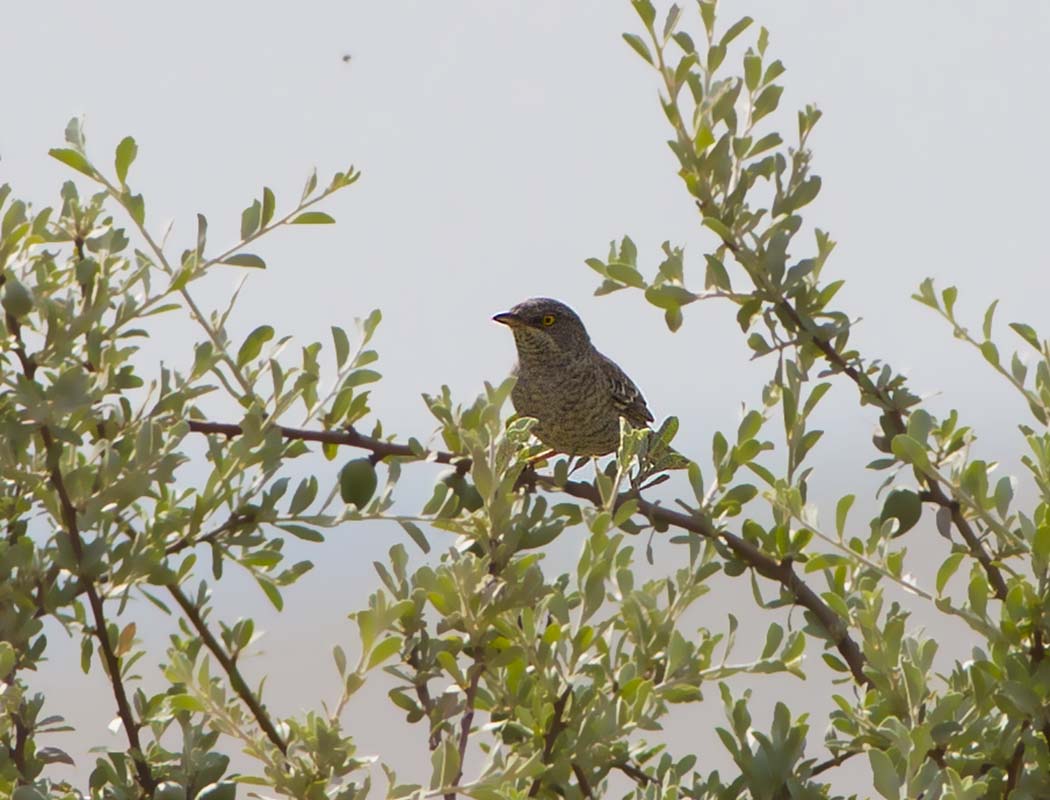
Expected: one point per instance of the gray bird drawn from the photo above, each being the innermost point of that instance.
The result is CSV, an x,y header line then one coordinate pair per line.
x,y
576,394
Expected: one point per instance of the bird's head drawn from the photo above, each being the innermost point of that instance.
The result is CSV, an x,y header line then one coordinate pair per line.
x,y
545,326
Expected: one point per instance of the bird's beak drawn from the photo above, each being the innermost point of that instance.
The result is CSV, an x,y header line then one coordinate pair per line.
x,y
509,318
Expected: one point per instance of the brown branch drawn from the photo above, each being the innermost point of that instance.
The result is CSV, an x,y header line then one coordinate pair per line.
x,y
1013,770
635,774
824,766
768,567
348,437
69,519
467,721
229,665
557,725
17,754
936,492
425,700
581,777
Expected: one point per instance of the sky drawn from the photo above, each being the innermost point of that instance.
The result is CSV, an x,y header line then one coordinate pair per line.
x,y
501,144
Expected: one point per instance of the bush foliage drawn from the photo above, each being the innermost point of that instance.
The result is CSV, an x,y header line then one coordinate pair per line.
x,y
529,684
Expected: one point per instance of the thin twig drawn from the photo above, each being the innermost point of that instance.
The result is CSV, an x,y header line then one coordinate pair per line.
x,y
780,571
425,700
467,721
557,725
69,519
635,774
842,757
229,665
581,777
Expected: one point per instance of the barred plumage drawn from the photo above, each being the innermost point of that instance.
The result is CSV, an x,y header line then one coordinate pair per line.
x,y
576,394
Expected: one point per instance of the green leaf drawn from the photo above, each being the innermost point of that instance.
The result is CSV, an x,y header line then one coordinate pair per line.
x,y
1026,332
673,318
304,495
223,790
253,344
947,569
313,218
904,506
271,591
126,152
885,776
719,228
445,763
384,650
250,219
735,30
626,274
136,206
767,101
1041,543
342,345
668,296
841,511
302,532
910,451
71,158
989,316
716,275
416,534
245,260
360,377
752,71
269,203
636,43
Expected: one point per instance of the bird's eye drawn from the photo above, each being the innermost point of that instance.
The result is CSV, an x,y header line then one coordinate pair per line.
x,y
548,320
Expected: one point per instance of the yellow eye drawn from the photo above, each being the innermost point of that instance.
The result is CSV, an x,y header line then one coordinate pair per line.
x,y
548,320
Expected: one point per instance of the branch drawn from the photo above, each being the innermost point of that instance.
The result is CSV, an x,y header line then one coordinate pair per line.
x,y
780,571
425,700
228,664
467,721
936,492
581,777
842,757
69,519
349,437
635,774
557,725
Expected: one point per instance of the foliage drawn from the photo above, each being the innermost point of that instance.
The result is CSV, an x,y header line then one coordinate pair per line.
x,y
555,683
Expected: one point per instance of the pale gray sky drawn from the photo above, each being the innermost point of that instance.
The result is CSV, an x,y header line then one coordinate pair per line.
x,y
503,143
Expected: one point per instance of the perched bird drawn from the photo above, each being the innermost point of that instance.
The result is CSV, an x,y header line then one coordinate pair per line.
x,y
576,394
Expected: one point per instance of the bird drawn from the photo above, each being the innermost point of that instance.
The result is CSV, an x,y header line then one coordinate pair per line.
x,y
576,394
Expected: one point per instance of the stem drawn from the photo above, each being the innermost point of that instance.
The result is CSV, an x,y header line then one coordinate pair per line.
x,y
112,662
557,725
228,663
763,564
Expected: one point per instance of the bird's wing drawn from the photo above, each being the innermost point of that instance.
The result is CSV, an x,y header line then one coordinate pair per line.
x,y
626,396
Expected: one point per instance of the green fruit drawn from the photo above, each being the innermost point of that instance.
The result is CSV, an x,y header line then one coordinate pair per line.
x,y
17,299
357,482
169,790
468,494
